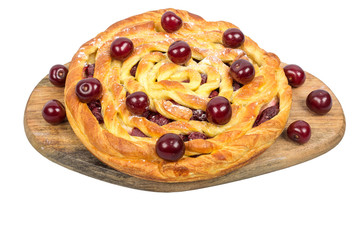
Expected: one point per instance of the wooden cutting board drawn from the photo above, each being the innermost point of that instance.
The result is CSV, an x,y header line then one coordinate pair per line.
x,y
60,145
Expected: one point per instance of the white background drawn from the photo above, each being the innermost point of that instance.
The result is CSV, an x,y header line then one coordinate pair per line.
x,y
318,199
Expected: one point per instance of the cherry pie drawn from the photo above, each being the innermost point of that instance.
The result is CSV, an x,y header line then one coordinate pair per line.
x,y
167,96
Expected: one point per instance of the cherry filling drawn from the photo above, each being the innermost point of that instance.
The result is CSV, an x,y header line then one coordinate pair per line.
x,y
214,93
156,118
197,135
267,114
137,133
193,136
184,137
89,70
133,70
203,78
94,104
95,108
198,115
236,86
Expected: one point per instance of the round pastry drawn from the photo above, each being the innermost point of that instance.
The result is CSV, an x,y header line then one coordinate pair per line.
x,y
175,100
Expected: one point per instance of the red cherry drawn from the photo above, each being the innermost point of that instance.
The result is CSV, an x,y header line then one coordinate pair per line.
x,y
171,22
295,75
137,103
233,38
319,101
242,71
218,110
54,112
121,48
170,147
299,131
88,89
179,52
57,75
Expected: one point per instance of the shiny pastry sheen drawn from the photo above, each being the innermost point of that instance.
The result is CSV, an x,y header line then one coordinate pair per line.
x,y
180,94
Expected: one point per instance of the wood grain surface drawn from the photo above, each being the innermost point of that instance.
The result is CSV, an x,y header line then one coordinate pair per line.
x,y
60,145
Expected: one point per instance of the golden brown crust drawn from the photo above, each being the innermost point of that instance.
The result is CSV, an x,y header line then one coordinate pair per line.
x,y
231,145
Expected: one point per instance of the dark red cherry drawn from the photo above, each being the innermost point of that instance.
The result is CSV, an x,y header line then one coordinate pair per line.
x,y
295,75
179,52
121,48
88,89
54,112
57,75
137,103
299,131
170,147
319,101
171,22
242,71
233,38
218,110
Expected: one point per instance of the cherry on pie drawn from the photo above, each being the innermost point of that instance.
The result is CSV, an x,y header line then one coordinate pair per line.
x,y
167,96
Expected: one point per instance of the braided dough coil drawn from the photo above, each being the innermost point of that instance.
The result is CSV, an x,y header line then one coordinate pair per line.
x,y
228,147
